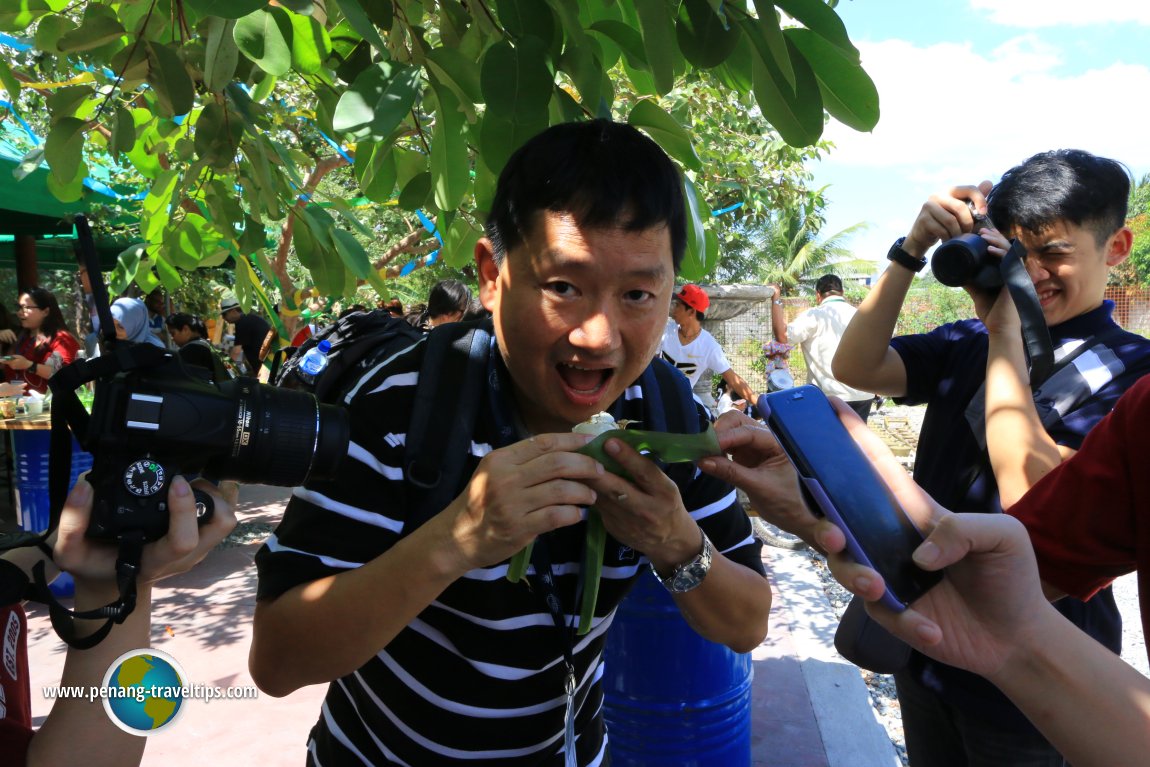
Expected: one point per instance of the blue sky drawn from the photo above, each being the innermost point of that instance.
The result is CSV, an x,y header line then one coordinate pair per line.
x,y
968,88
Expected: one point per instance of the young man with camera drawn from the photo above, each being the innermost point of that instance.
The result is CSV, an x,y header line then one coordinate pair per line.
x,y
433,656
986,438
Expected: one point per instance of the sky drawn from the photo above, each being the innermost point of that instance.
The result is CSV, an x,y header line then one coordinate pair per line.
x,y
970,88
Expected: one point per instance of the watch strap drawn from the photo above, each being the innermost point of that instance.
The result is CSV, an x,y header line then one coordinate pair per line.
x,y
902,258
690,574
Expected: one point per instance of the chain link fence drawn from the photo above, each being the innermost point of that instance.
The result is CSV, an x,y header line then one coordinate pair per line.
x,y
740,319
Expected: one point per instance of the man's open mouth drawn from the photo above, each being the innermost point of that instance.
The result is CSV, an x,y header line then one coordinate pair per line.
x,y
584,385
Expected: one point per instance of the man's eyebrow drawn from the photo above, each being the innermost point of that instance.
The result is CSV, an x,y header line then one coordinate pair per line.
x,y
560,260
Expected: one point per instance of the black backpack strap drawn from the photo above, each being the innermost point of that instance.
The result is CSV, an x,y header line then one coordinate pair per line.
x,y
452,380
669,405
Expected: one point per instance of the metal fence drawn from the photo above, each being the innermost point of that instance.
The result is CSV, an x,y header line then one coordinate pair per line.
x,y
740,319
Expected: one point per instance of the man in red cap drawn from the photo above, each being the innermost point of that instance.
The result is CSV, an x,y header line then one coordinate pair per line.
x,y
693,350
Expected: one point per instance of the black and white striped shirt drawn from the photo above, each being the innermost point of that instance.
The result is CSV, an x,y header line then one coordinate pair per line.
x,y
478,677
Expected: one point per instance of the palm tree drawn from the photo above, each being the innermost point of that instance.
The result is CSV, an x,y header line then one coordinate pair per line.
x,y
794,256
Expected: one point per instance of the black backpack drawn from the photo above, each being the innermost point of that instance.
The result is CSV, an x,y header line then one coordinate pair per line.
x,y
356,339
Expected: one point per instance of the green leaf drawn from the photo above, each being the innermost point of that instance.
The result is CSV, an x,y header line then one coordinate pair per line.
x,y
517,567
169,277
594,542
766,37
225,9
217,137
375,170
454,70
628,39
310,44
18,15
221,54
796,114
359,21
704,38
168,76
132,62
265,37
522,18
459,243
516,80
99,27
123,133
658,29
500,135
449,158
127,264
299,7
352,253
415,194
380,12
667,133
9,81
64,149
377,102
735,72
64,102
820,19
694,260
183,243
327,272
663,446
848,92
68,191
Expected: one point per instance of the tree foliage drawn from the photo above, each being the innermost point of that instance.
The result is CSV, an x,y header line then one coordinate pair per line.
x,y
227,116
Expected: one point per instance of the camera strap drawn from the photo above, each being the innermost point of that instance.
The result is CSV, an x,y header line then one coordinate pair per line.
x,y
70,418
1035,333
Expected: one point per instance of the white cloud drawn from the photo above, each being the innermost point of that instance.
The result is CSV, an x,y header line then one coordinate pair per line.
x,y
1030,14
951,115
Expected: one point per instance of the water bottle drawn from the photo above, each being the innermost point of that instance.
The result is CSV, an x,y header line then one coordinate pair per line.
x,y
314,362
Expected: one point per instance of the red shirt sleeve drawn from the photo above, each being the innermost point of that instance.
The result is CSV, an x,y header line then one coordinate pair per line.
x,y
1083,516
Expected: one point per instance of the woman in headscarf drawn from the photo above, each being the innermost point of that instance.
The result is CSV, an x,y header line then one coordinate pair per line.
x,y
131,318
44,345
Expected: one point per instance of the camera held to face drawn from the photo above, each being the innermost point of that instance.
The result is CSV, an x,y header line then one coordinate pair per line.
x,y
966,261
151,423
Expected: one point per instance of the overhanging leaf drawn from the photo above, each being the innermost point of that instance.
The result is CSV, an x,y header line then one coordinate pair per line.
x,y
64,149
796,113
352,252
169,78
375,170
659,41
225,9
450,163
379,99
666,132
704,38
359,21
310,44
848,92
265,37
821,20
221,55
694,260
516,80
99,27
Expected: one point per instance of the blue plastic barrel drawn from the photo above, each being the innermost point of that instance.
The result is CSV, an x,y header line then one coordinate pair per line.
x,y
672,697
31,448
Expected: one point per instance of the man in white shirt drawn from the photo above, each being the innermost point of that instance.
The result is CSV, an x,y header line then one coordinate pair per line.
x,y
818,330
693,350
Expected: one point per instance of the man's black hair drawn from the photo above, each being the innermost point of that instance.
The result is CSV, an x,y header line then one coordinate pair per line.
x,y
828,283
183,320
447,297
606,174
1062,185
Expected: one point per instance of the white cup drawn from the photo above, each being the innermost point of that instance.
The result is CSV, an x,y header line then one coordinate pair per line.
x,y
33,406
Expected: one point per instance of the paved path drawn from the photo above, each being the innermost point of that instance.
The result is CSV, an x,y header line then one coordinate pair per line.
x,y
809,707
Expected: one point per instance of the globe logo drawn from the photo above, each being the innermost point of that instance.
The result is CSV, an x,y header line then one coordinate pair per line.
x,y
143,691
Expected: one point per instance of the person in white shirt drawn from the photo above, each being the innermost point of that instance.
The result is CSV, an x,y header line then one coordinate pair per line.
x,y
693,350
819,330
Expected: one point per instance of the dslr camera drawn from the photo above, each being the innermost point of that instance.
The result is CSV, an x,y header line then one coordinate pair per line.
x,y
965,261
153,421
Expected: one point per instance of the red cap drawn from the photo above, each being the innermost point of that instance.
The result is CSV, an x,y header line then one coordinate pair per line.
x,y
694,297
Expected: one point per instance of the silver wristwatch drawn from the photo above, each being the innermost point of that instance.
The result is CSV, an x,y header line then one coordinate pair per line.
x,y
691,573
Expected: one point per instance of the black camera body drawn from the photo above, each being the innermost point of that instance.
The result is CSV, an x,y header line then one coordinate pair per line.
x,y
152,422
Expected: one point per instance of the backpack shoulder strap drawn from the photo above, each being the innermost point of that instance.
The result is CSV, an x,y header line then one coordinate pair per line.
x,y
669,405
452,379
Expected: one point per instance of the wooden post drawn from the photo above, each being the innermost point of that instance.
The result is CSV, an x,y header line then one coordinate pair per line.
x,y
27,274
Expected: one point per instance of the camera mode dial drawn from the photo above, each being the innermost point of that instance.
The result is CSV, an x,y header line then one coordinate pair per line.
x,y
144,478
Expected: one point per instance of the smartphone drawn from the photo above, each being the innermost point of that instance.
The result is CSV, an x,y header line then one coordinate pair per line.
x,y
840,483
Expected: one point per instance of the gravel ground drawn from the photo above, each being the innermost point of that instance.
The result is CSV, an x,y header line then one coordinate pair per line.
x,y
881,686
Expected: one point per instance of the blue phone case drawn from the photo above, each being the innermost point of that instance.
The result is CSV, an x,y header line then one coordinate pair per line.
x,y
841,484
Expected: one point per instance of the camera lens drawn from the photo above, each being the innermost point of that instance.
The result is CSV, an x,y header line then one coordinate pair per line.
x,y
281,437
956,262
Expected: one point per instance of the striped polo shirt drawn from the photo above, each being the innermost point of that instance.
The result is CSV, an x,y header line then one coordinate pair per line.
x,y
478,677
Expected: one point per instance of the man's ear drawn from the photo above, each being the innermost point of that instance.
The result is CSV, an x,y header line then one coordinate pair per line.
x,y
1118,247
488,272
